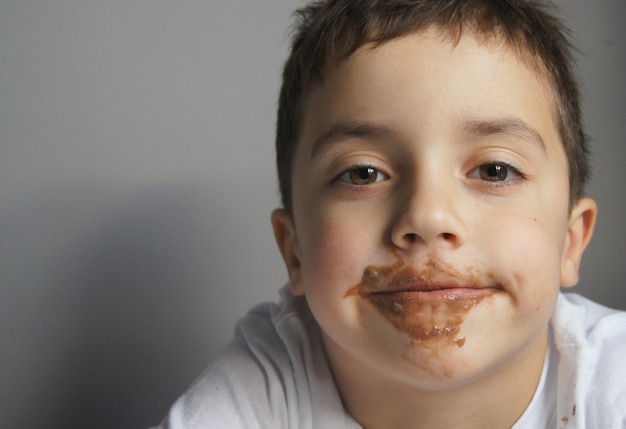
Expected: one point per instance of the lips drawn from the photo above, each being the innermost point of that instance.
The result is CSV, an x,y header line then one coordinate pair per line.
x,y
448,293
402,280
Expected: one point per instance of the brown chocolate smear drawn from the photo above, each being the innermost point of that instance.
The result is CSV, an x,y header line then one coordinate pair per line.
x,y
394,290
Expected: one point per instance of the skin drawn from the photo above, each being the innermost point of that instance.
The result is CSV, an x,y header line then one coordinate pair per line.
x,y
445,160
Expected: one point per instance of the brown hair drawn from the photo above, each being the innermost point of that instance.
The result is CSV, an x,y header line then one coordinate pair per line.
x,y
330,31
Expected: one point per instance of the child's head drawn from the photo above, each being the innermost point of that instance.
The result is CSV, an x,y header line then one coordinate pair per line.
x,y
328,32
432,163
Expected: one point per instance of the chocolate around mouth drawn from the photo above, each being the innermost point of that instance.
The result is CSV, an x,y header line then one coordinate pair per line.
x,y
429,304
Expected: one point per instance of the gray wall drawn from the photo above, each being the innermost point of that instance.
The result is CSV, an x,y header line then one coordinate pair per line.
x,y
136,182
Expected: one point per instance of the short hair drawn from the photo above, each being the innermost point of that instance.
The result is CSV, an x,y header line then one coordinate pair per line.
x,y
329,31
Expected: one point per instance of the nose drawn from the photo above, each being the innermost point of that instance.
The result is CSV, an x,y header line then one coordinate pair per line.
x,y
431,215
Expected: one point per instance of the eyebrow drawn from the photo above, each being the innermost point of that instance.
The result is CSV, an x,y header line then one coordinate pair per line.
x,y
510,125
474,127
349,129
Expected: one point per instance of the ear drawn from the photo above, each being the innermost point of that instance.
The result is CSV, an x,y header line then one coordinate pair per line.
x,y
579,232
287,241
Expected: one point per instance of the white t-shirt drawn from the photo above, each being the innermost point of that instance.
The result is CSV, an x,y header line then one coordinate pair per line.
x,y
274,374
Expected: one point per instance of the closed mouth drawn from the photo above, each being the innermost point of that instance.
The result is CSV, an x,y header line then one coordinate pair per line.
x,y
430,292
431,279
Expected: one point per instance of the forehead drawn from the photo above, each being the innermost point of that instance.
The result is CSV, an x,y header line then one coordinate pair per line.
x,y
401,81
488,36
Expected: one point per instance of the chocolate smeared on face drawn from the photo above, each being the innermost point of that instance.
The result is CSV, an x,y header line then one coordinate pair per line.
x,y
427,304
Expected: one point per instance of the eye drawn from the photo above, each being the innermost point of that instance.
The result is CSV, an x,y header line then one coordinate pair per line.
x,y
361,176
497,172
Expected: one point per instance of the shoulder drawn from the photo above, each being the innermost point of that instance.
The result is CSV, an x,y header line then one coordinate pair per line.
x,y
266,377
591,342
231,392
580,321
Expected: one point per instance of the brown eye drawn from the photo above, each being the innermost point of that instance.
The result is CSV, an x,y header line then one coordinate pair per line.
x,y
361,176
497,173
493,172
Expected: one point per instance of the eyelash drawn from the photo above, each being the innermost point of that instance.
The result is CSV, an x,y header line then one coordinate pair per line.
x,y
509,169
345,178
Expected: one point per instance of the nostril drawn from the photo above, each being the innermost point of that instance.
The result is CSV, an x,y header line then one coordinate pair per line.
x,y
447,236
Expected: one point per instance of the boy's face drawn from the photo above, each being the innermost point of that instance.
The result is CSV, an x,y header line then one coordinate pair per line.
x,y
430,229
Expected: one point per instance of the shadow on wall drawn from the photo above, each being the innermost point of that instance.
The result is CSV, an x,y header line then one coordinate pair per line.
x,y
113,326
136,281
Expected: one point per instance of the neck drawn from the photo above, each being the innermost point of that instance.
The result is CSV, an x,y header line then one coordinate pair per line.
x,y
494,399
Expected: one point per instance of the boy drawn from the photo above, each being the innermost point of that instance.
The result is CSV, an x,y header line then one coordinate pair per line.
x,y
432,164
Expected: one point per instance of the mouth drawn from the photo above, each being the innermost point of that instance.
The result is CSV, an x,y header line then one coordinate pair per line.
x,y
433,280
430,292
428,303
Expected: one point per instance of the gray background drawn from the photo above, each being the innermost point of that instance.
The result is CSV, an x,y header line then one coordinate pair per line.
x,y
136,183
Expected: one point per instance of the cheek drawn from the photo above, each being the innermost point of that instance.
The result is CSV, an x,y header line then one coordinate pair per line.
x,y
531,261
331,253
338,246
330,266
